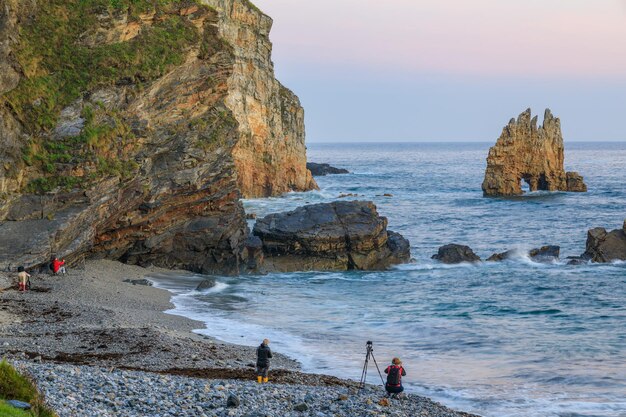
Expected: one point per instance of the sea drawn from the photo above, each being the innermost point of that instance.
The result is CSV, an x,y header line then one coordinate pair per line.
x,y
499,339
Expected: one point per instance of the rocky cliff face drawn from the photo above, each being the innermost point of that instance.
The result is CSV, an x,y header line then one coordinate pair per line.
x,y
530,153
126,127
270,154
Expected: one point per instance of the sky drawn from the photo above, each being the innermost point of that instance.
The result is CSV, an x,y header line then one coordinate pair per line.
x,y
451,70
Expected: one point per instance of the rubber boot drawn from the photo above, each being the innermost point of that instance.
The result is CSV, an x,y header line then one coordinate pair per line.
x,y
259,379
265,379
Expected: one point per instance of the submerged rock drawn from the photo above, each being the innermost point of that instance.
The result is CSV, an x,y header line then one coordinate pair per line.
x,y
532,154
456,254
603,246
342,235
319,170
206,284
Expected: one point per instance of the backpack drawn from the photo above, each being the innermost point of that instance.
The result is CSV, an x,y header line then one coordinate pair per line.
x,y
394,376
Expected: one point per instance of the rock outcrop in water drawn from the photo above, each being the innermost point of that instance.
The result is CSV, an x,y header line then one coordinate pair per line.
x,y
130,129
342,235
547,253
526,152
320,170
456,254
603,246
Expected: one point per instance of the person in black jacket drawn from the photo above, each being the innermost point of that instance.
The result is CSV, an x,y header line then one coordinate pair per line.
x,y
263,355
394,372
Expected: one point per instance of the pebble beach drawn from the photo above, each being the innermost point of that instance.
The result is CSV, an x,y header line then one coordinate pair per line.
x,y
98,344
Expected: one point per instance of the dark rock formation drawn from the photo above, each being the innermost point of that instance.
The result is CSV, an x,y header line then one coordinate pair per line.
x,y
532,154
133,154
545,253
319,170
497,257
455,254
253,255
603,246
332,236
206,284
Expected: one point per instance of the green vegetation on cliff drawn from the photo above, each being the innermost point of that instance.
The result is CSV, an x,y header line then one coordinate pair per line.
x,y
69,48
60,63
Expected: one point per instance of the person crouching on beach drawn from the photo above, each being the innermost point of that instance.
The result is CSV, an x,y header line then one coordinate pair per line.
x,y
263,355
23,278
58,266
394,372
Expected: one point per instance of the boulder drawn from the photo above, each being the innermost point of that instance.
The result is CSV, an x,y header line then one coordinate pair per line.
x,y
526,152
603,246
342,235
319,170
456,254
545,253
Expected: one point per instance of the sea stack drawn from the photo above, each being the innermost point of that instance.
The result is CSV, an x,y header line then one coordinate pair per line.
x,y
535,154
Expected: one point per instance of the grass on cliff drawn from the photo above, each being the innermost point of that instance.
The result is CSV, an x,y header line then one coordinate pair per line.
x,y
60,65
14,386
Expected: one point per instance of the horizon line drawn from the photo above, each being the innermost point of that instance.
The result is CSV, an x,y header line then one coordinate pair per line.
x,y
446,141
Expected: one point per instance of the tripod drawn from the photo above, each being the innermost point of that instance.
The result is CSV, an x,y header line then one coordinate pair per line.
x,y
369,353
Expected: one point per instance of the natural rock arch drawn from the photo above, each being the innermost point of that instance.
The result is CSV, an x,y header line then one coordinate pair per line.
x,y
530,153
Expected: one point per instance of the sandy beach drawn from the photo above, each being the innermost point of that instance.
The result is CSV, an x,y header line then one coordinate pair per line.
x,y
91,319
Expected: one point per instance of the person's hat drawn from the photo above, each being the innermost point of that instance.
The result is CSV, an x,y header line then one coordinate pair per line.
x,y
20,269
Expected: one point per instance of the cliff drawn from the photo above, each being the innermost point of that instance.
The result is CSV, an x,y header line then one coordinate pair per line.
x,y
534,154
129,129
270,154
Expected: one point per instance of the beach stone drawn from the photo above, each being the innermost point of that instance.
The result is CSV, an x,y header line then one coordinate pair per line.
x,y
455,254
301,407
139,282
233,401
19,404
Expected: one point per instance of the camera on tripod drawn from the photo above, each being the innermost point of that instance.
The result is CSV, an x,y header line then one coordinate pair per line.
x,y
369,353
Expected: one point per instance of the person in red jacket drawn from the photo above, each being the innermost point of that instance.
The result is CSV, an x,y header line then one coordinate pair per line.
x,y
58,266
394,372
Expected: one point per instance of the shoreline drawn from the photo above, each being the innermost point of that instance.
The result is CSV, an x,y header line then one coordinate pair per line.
x,y
92,318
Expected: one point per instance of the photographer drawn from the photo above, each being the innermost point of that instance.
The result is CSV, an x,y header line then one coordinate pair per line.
x,y
394,372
